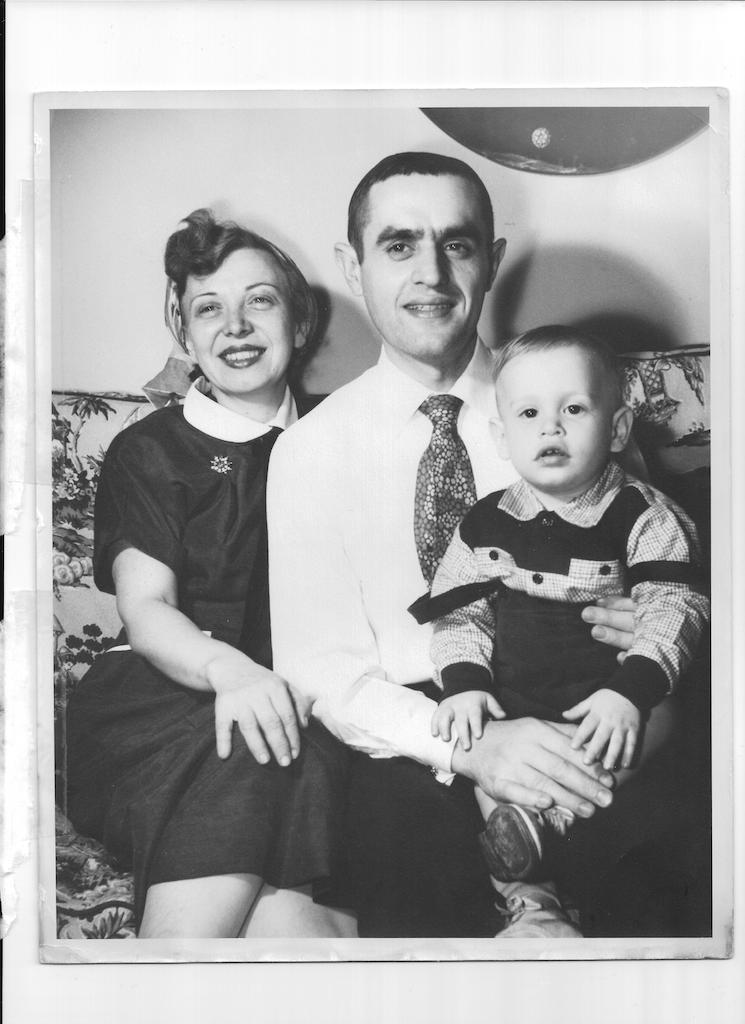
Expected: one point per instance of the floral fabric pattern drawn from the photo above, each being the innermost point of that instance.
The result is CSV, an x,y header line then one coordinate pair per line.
x,y
95,898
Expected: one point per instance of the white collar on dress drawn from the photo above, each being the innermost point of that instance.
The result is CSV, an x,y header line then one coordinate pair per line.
x,y
224,424
401,395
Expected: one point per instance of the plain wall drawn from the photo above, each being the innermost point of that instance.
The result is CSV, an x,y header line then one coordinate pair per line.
x,y
625,251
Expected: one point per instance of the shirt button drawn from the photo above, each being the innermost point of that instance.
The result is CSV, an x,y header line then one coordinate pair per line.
x,y
604,570
547,519
494,555
537,578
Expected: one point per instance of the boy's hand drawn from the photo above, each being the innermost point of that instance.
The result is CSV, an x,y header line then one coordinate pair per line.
x,y
611,724
467,712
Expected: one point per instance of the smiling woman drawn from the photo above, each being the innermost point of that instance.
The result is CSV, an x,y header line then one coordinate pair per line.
x,y
239,307
210,818
241,331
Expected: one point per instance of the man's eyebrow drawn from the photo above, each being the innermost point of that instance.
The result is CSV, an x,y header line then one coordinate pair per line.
x,y
466,229
394,234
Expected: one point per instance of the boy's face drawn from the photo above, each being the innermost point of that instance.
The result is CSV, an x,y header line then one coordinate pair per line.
x,y
560,421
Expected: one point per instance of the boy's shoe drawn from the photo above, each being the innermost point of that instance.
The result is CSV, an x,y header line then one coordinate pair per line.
x,y
512,842
535,912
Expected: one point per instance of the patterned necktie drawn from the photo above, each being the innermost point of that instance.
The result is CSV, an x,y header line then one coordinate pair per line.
x,y
445,487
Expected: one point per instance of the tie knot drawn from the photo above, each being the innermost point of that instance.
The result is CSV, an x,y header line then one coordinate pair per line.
x,y
442,410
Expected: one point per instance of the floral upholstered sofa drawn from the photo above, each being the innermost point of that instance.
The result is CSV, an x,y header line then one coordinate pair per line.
x,y
668,390
94,897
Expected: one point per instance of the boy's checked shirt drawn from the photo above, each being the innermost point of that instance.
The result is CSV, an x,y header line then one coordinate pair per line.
x,y
620,537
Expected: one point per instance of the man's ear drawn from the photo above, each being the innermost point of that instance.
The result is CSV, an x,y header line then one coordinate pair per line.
x,y
497,255
623,421
347,261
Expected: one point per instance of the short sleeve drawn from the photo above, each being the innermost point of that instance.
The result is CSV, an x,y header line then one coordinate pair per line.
x,y
139,503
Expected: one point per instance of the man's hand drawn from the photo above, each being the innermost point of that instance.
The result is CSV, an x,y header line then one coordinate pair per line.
x,y
610,725
466,711
532,763
612,621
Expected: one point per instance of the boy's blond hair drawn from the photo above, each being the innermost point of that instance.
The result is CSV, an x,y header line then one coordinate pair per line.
x,y
555,336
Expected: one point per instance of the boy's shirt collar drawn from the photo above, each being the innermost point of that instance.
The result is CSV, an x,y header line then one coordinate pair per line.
x,y
521,501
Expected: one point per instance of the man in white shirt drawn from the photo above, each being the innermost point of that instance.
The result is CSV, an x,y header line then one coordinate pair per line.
x,y
344,565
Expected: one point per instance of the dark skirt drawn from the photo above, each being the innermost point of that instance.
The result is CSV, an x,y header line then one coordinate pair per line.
x,y
143,777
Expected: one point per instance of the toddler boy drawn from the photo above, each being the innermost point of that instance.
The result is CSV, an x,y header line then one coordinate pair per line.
x,y
507,598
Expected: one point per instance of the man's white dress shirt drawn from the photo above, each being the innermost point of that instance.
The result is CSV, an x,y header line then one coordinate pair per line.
x,y
343,562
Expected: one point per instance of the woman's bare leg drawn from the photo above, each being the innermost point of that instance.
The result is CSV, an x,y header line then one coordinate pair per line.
x,y
199,908
291,913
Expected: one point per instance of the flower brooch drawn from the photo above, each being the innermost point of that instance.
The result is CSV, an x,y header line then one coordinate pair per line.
x,y
221,464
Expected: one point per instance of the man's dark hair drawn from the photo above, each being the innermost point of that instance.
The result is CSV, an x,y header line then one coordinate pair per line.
x,y
406,164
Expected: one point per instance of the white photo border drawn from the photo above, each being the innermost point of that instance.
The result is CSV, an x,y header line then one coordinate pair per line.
x,y
719,944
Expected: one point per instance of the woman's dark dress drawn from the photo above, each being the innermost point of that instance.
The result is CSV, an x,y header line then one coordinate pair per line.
x,y
143,774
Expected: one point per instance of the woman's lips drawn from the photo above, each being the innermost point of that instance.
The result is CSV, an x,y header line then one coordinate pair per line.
x,y
240,358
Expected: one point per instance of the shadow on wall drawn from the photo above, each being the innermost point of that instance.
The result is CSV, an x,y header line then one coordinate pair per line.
x,y
302,358
591,288
346,344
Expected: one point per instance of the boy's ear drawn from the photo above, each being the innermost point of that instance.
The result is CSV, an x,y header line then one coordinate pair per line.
x,y
623,421
347,261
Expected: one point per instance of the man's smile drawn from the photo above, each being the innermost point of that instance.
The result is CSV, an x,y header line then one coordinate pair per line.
x,y
431,309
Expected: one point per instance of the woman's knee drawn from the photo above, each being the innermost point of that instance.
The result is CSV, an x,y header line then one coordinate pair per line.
x,y
199,908
292,913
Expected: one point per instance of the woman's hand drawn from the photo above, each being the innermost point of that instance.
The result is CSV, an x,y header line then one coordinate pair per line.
x,y
257,699
612,621
260,702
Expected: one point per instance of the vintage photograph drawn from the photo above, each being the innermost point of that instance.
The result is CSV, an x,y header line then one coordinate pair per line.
x,y
375,436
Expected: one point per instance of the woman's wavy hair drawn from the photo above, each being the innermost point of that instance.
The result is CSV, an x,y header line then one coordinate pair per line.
x,y
203,245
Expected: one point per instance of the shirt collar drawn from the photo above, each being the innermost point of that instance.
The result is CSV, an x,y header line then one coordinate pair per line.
x,y
206,415
401,395
521,501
